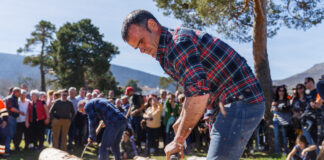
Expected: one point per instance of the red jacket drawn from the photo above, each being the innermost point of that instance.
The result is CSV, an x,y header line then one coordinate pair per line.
x,y
40,110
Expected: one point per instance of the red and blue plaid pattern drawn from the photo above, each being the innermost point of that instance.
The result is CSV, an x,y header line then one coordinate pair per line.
x,y
205,64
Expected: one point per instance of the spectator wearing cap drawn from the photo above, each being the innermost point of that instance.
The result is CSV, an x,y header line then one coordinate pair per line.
x,y
61,114
21,120
136,104
13,110
37,118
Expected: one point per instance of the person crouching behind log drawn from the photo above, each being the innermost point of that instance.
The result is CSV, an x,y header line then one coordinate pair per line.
x,y
101,109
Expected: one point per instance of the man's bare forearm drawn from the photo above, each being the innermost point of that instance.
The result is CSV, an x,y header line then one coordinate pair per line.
x,y
194,108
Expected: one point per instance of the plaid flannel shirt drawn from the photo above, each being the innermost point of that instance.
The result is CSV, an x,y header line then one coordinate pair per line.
x,y
101,109
205,64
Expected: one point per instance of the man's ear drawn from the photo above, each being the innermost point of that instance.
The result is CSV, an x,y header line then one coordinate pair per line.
x,y
152,25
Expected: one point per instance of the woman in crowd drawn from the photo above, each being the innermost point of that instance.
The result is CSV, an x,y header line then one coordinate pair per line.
x,y
301,114
171,113
37,118
153,124
21,120
282,116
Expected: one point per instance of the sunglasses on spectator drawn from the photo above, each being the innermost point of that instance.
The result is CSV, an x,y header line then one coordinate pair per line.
x,y
281,90
300,88
305,82
64,95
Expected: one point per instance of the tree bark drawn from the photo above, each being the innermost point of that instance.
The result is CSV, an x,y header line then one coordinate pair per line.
x,y
55,154
41,67
261,63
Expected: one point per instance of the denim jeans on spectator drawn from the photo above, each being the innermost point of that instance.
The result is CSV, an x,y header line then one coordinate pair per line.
x,y
277,128
230,133
136,124
111,138
11,130
307,135
71,133
49,135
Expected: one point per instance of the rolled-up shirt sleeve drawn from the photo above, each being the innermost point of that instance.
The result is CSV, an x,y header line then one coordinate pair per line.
x,y
192,74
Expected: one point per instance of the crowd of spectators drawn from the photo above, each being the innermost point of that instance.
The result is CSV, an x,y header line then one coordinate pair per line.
x,y
57,117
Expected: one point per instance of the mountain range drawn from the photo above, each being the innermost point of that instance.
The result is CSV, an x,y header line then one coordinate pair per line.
x,y
11,68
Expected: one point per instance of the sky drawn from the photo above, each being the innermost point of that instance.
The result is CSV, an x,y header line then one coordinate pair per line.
x,y
290,51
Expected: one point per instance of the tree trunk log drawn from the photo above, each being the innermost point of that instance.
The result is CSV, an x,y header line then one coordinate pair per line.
x,y
261,63
56,154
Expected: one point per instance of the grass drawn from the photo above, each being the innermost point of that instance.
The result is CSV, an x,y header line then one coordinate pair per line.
x,y
91,154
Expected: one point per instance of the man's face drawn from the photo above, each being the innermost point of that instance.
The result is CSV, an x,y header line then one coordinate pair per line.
x,y
308,84
17,93
64,96
83,92
140,38
72,93
124,101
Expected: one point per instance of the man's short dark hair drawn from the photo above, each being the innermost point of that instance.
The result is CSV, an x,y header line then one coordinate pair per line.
x,y
310,79
64,91
138,17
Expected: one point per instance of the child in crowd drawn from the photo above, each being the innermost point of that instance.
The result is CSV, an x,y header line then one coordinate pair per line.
x,y
302,151
126,146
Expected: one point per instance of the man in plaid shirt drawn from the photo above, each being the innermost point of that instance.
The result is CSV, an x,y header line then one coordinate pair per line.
x,y
212,74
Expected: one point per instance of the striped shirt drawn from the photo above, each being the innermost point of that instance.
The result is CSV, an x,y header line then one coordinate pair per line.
x,y
205,64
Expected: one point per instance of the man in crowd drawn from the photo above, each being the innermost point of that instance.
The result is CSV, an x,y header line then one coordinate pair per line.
x,y
61,114
14,112
135,110
82,94
310,85
72,130
25,87
125,104
101,109
210,71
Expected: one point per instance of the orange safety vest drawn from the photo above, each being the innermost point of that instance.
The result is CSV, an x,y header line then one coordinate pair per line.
x,y
3,113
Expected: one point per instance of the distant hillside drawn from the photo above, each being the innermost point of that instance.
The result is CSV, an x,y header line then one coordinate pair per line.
x,y
11,68
316,71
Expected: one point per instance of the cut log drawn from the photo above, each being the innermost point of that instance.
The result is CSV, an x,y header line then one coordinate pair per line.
x,y
56,154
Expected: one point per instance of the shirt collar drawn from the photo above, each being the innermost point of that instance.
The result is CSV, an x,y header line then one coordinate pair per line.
x,y
162,48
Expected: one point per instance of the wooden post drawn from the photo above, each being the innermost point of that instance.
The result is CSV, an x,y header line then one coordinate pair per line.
x,y
55,154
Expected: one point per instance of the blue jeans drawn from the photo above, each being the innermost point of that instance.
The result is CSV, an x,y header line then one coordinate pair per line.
x,y
230,133
276,129
136,124
111,138
307,135
72,131
10,129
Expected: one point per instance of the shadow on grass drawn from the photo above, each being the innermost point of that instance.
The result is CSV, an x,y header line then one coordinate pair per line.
x,y
264,156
